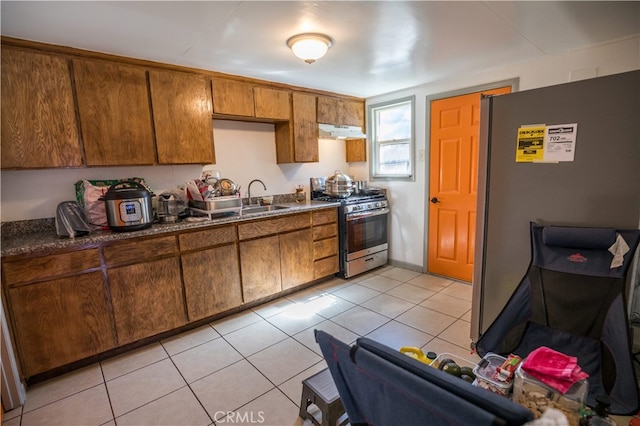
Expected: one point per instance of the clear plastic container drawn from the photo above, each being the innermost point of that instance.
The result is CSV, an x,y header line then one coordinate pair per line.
x,y
537,397
487,375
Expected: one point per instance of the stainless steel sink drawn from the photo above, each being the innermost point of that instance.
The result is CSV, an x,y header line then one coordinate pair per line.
x,y
261,209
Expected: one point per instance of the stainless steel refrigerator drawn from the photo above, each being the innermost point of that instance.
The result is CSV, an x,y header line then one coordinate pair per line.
x,y
598,184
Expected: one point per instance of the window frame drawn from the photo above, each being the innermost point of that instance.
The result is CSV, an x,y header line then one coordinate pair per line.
x,y
374,165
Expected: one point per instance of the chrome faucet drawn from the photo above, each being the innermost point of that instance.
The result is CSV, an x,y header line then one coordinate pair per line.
x,y
249,188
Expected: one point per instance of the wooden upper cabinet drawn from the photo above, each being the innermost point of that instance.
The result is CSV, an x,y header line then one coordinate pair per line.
x,y
181,105
115,117
340,111
232,97
272,103
247,100
305,128
345,112
356,150
297,141
39,127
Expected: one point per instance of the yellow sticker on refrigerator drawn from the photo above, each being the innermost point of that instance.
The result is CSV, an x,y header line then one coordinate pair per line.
x,y
530,145
539,143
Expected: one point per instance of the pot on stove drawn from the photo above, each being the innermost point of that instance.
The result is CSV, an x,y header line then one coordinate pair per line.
x,y
339,185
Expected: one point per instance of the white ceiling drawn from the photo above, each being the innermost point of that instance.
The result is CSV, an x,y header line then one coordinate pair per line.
x,y
379,46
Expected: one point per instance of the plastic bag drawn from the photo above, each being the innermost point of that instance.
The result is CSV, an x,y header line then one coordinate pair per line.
x,y
88,194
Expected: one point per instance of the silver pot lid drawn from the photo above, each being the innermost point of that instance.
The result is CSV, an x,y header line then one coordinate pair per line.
x,y
339,178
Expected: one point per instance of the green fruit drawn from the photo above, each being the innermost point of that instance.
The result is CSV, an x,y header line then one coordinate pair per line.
x,y
444,362
467,378
467,371
453,369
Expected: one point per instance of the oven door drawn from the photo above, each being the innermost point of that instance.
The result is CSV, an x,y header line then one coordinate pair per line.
x,y
366,233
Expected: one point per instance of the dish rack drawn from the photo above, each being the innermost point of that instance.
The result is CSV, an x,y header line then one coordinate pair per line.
x,y
217,205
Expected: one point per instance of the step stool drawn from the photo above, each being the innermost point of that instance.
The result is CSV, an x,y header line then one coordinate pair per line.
x,y
320,390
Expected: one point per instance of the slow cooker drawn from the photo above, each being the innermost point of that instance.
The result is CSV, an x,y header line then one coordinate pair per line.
x,y
128,206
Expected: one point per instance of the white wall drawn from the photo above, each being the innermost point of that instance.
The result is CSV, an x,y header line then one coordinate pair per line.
x,y
407,231
244,151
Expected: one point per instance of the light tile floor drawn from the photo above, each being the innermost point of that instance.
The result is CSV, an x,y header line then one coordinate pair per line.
x,y
248,368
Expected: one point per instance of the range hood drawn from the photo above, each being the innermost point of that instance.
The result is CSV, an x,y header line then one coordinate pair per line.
x,y
332,131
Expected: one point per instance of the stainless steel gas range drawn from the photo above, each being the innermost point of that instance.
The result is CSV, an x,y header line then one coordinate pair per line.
x,y
362,230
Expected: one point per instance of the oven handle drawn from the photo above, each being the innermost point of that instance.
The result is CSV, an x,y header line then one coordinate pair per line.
x,y
354,216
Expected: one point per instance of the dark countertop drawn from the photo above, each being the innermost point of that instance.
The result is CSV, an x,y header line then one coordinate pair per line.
x,y
45,240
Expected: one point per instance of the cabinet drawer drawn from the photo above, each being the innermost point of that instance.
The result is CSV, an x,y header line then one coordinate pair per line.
x,y
135,250
325,267
208,238
325,248
324,216
325,231
273,226
38,268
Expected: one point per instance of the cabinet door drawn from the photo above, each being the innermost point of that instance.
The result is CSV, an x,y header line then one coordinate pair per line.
x,y
352,112
39,127
356,150
232,97
272,103
260,266
61,321
328,110
296,258
211,281
297,141
181,105
305,128
113,103
147,299
340,111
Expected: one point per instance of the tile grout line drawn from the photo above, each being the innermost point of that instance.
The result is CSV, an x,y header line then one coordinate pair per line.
x,y
104,381
188,385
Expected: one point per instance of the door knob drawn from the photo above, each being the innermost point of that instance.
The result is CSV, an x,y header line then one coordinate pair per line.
x,y
434,200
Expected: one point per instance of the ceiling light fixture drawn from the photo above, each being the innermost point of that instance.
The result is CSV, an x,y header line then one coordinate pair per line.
x,y
309,46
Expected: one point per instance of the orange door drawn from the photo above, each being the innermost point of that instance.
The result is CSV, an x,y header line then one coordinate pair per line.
x,y
453,180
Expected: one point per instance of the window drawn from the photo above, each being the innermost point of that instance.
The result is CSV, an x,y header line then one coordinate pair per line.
x,y
392,139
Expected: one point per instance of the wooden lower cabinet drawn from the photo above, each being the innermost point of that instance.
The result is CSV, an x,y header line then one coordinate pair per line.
x,y
260,266
296,258
62,310
211,281
147,298
61,321
325,267
325,242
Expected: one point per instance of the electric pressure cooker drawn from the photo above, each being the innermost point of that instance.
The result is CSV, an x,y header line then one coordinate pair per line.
x,y
128,206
